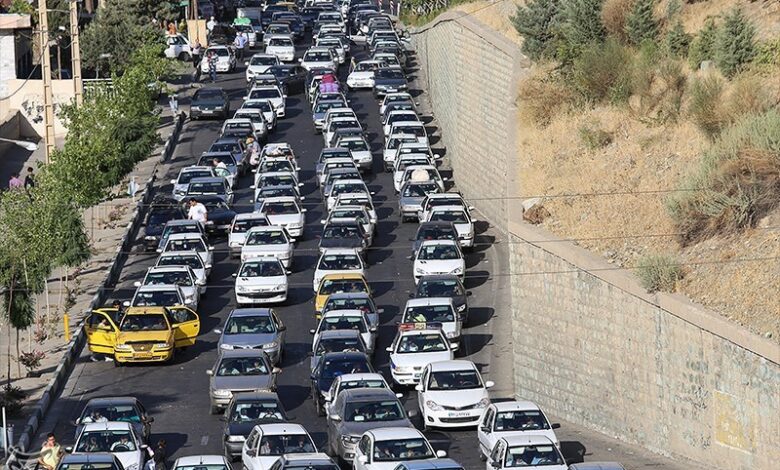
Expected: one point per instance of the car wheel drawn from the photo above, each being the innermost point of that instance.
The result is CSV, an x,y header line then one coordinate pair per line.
x,y
320,409
482,456
229,457
184,57
213,410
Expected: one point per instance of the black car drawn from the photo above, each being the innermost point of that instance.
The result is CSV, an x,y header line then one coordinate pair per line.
x,y
127,409
219,214
245,411
389,80
290,77
210,102
446,285
332,365
309,15
161,210
222,35
346,234
433,231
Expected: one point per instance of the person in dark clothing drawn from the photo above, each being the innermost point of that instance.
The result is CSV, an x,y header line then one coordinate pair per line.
x,y
160,454
29,180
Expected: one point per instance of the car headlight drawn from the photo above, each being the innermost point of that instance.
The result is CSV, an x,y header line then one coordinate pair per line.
x,y
451,334
132,466
236,438
234,244
350,440
122,347
241,289
432,405
222,393
281,287
482,403
162,346
457,270
226,346
151,238
271,345
420,271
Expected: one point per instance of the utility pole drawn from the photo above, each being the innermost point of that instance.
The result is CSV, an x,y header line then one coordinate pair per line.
x,y
75,52
48,97
194,10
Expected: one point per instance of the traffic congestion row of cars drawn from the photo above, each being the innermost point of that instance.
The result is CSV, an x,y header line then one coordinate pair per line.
x,y
368,427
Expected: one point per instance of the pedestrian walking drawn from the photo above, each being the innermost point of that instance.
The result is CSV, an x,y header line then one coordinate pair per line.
x,y
29,180
240,43
173,102
210,26
195,52
51,452
160,454
197,211
15,182
212,62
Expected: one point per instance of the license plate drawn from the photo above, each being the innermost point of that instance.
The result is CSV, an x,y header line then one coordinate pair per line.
x,y
391,90
143,355
458,414
208,111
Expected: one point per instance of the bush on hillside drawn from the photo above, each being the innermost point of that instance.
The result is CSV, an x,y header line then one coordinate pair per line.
x,y
658,84
768,53
735,43
594,137
581,27
543,96
614,14
641,26
603,72
677,41
537,22
659,273
706,108
703,45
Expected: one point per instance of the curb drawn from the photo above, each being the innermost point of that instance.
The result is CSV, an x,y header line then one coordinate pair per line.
x,y
76,345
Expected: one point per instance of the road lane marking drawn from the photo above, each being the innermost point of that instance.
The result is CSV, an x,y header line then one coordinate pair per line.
x,y
204,440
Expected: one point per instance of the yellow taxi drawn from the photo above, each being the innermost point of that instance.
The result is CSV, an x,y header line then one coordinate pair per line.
x,y
141,334
337,284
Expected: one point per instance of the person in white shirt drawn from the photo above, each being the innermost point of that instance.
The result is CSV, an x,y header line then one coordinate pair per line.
x,y
197,211
210,24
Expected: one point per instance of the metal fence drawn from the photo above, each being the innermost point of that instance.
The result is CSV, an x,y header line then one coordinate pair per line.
x,y
94,87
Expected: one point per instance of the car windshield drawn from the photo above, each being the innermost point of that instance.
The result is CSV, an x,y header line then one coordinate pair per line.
x,y
276,192
439,288
334,154
225,158
429,313
263,60
249,325
192,261
215,205
225,147
206,188
187,176
263,106
347,213
145,322
393,143
341,232
411,162
339,262
181,278
449,216
275,165
364,304
267,93
332,368
97,414
395,74
342,188
355,202
420,190
454,380
432,342
276,180
327,345
343,322
243,226
264,268
399,117
270,237
367,66
333,286
206,94
238,125
525,420
402,449
280,42
326,105
106,441
241,366
436,233
220,52
418,131
161,215
532,456
160,298
286,444
316,57
350,384
256,410
280,208
359,145
278,29
373,411
188,244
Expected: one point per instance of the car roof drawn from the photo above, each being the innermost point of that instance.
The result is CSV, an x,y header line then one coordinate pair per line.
x,y
526,439
253,396
168,267
193,460
340,251
440,242
94,457
250,216
523,405
112,401
242,353
250,312
350,295
435,223
597,466
185,236
282,428
433,464
345,355
382,434
158,287
344,276
423,301
343,313
327,334
363,394
362,376
196,168
266,228
207,179
455,364
448,209
307,460
439,277
108,426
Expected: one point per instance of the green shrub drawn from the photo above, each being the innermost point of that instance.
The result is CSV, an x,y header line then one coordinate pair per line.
x,y
544,95
703,45
706,108
613,16
594,137
641,25
603,72
659,272
537,23
768,53
735,43
581,26
677,41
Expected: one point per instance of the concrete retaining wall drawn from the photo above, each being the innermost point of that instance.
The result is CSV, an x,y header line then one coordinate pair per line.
x,y
471,73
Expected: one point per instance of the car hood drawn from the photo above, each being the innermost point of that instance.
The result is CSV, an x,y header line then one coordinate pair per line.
x,y
389,81
136,336
363,74
239,238
266,248
249,340
457,398
129,458
284,219
261,281
245,427
341,243
411,201
221,215
357,429
254,382
420,359
442,266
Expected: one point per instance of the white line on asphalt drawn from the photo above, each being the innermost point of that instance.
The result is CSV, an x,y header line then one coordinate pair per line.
x,y
204,440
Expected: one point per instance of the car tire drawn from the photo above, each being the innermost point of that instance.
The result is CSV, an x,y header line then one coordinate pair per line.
x,y
184,57
213,410
320,408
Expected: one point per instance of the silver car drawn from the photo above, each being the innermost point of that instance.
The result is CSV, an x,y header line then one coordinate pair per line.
x,y
253,328
411,197
359,410
239,370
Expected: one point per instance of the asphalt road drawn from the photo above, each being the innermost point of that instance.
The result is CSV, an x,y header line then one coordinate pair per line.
x,y
176,394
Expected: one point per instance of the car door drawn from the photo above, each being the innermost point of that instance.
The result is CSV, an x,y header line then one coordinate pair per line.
x,y
281,329
423,386
249,451
363,449
484,429
186,325
102,329
497,455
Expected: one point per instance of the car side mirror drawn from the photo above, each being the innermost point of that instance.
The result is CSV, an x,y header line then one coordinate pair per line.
x,y
300,185
418,387
246,63
69,449
489,384
209,372
276,370
495,464
389,349
137,284
234,275
304,210
441,454
217,331
158,250
173,181
372,329
323,221
282,328
555,425
311,332
410,413
126,303
363,459
208,266
335,418
485,429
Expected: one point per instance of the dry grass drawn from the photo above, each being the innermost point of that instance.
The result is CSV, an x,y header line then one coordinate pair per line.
x,y
614,14
495,16
543,95
765,14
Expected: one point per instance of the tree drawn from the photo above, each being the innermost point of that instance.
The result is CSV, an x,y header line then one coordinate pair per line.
x,y
735,43
537,22
640,24
582,24
703,46
677,40
160,10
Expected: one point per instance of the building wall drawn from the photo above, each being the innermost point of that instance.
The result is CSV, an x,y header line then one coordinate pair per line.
x,y
27,97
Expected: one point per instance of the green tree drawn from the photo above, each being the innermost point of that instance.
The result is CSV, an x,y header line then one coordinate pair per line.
x,y
641,25
677,41
581,25
160,10
537,22
735,43
703,45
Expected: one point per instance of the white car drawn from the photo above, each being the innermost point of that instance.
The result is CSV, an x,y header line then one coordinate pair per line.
x,y
341,111
350,381
282,47
511,418
160,295
275,178
265,241
338,261
264,106
259,64
257,118
439,311
182,276
242,223
460,217
416,148
226,61
394,98
117,437
525,451
271,93
286,212
452,394
391,145
347,320
346,213
385,448
333,44
261,280
358,199
240,124
442,199
420,173
336,123
345,186
411,127
439,257
210,462
404,161
266,443
319,57
186,174
332,164
415,346
186,258
360,151
178,47
362,76
189,242
399,115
